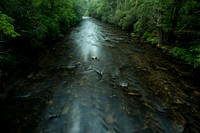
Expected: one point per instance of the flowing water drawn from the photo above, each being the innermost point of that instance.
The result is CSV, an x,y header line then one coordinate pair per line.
x,y
99,79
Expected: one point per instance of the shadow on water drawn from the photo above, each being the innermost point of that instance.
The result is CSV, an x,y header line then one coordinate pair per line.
x,y
100,80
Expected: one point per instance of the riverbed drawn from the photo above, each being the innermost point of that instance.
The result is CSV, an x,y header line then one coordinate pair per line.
x,y
100,79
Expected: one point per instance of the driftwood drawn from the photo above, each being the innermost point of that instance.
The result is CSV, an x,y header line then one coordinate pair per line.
x,y
161,68
100,73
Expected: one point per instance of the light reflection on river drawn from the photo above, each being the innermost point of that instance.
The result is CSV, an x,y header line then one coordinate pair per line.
x,y
90,104
94,100
88,40
98,80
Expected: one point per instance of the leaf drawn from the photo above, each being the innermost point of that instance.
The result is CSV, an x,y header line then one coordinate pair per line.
x,y
6,25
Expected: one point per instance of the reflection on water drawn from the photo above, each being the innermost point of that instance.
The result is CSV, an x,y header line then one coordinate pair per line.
x,y
98,82
76,119
88,40
108,95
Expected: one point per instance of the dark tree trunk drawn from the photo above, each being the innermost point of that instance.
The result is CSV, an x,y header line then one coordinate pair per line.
x,y
160,36
159,27
174,20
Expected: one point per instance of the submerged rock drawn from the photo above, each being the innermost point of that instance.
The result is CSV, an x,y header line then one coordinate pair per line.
x,y
94,58
124,84
71,66
53,116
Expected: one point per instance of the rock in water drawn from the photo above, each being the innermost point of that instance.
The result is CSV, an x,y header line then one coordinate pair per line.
x,y
53,116
94,58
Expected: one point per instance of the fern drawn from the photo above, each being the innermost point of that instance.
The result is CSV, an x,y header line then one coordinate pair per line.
x,y
187,55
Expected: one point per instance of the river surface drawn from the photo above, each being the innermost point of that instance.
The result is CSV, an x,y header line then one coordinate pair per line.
x,y
99,79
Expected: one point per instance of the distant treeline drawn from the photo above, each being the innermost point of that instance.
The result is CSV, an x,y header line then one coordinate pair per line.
x,y
171,24
26,25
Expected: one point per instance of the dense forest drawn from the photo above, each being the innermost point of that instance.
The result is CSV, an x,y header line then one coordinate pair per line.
x,y
26,26
172,25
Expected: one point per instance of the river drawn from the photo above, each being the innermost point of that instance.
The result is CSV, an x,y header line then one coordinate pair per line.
x,y
99,79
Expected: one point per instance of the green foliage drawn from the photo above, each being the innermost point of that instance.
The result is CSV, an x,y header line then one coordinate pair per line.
x,y
171,22
118,16
7,28
191,56
39,22
151,38
6,25
190,16
127,21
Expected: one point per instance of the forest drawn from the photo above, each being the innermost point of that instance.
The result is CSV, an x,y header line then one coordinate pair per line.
x,y
172,25
27,27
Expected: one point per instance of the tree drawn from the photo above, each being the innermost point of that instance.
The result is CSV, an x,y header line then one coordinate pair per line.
x,y
6,26
172,22
38,22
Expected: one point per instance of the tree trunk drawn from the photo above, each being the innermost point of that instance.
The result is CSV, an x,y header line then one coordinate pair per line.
x,y
174,20
160,36
159,27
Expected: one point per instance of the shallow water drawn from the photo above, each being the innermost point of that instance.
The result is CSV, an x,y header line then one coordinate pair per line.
x,y
101,80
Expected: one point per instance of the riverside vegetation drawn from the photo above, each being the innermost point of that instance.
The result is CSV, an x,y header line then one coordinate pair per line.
x,y
29,26
173,25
